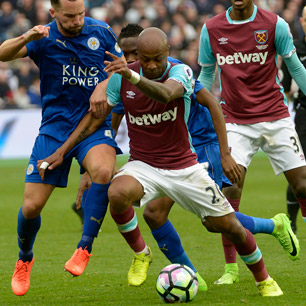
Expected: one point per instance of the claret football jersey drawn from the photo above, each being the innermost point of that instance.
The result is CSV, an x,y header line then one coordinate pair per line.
x,y
158,132
246,56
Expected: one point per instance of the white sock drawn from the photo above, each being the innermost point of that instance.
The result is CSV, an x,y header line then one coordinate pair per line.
x,y
145,250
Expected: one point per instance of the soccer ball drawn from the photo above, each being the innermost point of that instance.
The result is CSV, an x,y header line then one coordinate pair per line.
x,y
177,284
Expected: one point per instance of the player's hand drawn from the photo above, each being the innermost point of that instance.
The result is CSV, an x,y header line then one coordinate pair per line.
x,y
118,65
36,33
84,184
50,163
98,100
230,168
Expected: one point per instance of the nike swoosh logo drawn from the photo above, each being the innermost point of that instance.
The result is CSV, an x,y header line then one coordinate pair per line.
x,y
302,58
294,252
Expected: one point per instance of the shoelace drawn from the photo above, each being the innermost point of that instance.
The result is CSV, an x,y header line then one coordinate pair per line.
x,y
81,256
22,270
284,242
137,264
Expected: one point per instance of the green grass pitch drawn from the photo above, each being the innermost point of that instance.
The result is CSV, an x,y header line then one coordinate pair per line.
x,y
105,279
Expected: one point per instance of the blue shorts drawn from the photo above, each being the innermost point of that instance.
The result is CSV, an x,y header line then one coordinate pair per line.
x,y
210,154
46,145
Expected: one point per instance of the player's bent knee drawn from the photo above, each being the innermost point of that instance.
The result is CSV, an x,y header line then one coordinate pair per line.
x,y
101,174
31,210
118,198
210,226
300,189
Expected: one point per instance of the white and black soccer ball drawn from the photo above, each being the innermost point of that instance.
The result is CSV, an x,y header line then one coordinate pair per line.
x,y
177,283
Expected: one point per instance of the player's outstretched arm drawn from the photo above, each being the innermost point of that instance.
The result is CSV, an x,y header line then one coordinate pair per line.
x,y
230,167
87,126
160,92
15,47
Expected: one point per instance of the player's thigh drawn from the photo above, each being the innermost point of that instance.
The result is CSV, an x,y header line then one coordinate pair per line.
x,y
97,155
228,225
124,191
149,178
100,163
297,179
283,146
35,198
243,141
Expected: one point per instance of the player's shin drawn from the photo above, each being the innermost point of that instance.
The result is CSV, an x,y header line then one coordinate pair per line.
x,y
170,244
27,230
251,255
95,208
128,226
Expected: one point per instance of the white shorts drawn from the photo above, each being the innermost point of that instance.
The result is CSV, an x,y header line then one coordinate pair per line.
x,y
191,188
278,139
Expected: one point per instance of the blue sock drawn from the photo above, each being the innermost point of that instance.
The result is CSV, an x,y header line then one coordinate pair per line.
x,y
27,230
95,208
255,225
169,243
84,196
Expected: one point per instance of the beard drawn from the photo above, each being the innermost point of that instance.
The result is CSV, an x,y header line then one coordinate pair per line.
x,y
70,31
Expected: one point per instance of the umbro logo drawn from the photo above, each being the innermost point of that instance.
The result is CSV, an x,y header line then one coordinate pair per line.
x,y
222,40
130,94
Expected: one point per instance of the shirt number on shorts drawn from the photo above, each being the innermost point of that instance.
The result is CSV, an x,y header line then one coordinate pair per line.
x,y
295,144
215,198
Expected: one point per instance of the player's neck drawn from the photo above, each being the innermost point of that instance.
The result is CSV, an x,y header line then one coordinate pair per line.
x,y
243,14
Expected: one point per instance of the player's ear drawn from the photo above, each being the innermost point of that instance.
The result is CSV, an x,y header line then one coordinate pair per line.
x,y
52,12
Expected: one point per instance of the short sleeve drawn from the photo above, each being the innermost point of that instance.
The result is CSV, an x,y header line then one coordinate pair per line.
x,y
113,89
283,38
206,55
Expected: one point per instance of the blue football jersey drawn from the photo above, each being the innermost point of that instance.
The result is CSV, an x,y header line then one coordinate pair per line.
x,y
70,68
200,123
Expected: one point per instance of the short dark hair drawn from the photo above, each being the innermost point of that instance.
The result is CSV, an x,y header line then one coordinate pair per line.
x,y
57,3
130,30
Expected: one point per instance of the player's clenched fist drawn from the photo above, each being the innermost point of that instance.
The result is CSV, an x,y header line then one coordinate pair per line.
x,y
36,33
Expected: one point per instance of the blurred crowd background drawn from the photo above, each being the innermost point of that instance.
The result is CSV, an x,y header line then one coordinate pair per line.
x,y
181,20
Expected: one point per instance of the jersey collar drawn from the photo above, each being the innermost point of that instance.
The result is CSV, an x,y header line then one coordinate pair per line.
x,y
240,21
168,67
